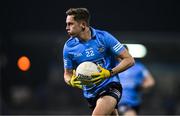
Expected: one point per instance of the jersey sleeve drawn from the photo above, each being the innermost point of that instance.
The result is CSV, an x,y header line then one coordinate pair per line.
x,y
144,70
67,59
113,44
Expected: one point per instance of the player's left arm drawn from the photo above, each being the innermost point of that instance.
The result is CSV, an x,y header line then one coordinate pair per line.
x,y
121,53
125,62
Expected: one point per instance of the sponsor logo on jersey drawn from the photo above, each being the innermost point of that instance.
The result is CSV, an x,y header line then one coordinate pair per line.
x,y
77,54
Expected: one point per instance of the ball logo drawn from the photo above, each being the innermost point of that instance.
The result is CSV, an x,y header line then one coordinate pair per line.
x,y
82,77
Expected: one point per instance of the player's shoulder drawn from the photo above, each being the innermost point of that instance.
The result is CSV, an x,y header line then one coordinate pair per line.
x,y
71,42
100,32
102,35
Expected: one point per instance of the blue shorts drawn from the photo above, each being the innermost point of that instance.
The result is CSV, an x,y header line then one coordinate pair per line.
x,y
112,89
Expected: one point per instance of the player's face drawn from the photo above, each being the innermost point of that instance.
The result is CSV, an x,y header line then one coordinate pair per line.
x,y
73,27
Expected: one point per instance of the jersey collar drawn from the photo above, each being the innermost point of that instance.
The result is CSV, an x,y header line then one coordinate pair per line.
x,y
93,31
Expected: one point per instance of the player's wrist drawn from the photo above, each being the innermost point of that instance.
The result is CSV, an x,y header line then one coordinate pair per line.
x,y
111,72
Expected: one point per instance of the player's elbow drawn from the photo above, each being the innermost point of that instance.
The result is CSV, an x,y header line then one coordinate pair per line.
x,y
131,61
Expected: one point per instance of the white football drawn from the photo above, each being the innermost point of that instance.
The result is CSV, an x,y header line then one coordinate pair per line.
x,y
85,70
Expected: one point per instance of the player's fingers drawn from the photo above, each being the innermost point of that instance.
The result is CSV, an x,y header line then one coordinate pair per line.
x,y
77,82
100,68
95,79
80,86
85,82
94,75
98,81
73,77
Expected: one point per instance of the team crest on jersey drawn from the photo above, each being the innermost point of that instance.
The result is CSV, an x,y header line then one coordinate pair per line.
x,y
101,49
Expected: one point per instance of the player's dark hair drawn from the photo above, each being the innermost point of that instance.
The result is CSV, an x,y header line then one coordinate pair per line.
x,y
79,14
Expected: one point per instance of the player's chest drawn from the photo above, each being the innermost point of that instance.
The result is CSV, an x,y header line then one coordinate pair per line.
x,y
88,51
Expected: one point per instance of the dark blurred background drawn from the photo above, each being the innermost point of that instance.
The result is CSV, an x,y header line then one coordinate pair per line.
x,y
36,29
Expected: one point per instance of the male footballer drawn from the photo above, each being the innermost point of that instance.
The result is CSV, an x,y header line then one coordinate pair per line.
x,y
89,44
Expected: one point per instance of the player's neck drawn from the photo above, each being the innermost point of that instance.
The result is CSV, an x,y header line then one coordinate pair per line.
x,y
85,35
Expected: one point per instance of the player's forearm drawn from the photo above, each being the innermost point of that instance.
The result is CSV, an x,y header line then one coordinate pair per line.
x,y
123,65
67,78
67,75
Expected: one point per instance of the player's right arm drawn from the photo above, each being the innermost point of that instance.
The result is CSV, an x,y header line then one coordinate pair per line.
x,y
71,79
67,75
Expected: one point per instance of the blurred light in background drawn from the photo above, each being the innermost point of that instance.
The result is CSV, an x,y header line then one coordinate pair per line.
x,y
137,50
23,63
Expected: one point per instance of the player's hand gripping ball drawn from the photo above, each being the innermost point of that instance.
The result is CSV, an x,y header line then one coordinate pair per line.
x,y
101,75
84,72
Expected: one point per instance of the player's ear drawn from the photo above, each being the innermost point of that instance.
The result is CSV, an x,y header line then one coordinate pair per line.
x,y
83,25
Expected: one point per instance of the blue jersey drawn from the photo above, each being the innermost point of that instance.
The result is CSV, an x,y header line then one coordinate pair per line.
x,y
101,49
131,79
